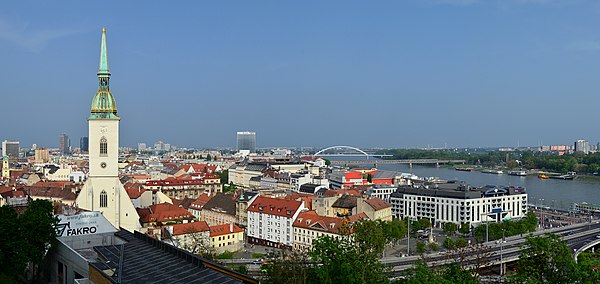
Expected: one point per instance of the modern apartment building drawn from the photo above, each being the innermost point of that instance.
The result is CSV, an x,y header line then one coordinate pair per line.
x,y
457,202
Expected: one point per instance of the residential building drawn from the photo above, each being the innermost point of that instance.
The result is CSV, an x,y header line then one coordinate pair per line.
x,y
241,207
10,149
270,221
382,191
192,237
374,207
241,173
42,155
198,204
220,209
310,226
164,213
226,237
458,203
184,187
246,141
582,146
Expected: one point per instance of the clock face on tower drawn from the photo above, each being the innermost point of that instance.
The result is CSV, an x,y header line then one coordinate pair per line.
x,y
103,129
103,165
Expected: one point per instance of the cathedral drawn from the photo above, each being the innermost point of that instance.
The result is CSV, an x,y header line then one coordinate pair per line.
x,y
103,190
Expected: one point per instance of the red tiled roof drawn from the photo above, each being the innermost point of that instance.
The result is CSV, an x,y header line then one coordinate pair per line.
x,y
135,192
307,198
173,181
189,228
377,203
197,168
166,212
275,206
200,201
310,220
224,229
333,192
50,192
52,183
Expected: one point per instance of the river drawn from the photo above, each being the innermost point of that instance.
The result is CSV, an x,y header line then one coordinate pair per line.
x,y
556,193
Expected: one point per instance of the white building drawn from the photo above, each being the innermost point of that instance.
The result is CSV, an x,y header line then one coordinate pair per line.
x,y
270,221
383,191
459,203
103,190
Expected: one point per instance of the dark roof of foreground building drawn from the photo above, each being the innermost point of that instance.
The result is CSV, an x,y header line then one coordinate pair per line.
x,y
143,259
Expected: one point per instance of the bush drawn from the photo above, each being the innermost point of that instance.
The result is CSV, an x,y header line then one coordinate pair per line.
x,y
225,255
421,248
434,247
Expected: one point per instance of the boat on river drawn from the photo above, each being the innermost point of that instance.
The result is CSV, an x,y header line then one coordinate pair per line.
x,y
464,169
568,176
497,172
518,173
543,176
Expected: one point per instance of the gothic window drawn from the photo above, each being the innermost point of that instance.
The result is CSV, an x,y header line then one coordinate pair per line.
x,y
103,147
103,199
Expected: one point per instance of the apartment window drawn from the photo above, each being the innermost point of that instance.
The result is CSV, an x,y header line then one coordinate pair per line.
x,y
103,146
103,199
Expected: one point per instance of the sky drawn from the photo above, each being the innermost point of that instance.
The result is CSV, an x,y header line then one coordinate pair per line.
x,y
410,73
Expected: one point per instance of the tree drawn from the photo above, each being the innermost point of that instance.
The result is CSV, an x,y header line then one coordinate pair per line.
x,y
208,157
449,274
12,258
25,240
424,223
351,259
449,229
369,178
545,259
199,243
394,230
465,229
421,248
288,267
38,225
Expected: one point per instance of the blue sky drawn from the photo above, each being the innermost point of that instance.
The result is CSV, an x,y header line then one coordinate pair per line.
x,y
307,73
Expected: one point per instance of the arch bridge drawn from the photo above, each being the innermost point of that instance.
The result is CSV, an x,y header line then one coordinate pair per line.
x,y
322,151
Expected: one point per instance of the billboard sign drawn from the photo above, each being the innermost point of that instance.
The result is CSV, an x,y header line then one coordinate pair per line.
x,y
84,223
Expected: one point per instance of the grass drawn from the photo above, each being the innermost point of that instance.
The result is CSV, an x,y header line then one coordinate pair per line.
x,y
258,255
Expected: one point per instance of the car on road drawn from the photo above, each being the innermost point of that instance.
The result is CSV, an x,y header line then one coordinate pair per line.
x,y
258,261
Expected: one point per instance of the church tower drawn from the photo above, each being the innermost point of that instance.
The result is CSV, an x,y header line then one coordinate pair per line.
x,y
103,190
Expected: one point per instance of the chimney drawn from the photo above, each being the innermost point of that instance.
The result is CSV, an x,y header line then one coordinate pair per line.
x,y
231,227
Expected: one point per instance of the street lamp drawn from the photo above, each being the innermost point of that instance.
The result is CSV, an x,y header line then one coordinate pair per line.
x,y
501,249
408,236
542,211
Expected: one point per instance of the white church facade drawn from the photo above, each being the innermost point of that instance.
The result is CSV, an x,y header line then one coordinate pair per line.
x,y
103,190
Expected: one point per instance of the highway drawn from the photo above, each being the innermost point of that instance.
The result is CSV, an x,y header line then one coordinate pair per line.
x,y
576,235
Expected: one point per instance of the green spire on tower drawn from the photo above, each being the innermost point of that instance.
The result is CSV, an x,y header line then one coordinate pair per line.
x,y
103,104
103,69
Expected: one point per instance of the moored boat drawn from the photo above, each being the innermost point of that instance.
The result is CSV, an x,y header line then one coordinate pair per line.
x,y
518,173
543,176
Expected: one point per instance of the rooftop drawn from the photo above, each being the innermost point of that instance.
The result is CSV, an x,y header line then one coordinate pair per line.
x,y
142,259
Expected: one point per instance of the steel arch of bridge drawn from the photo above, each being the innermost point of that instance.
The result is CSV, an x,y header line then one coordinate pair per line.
x,y
342,147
